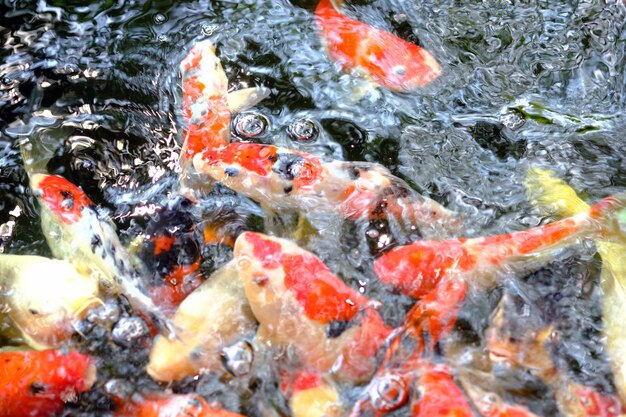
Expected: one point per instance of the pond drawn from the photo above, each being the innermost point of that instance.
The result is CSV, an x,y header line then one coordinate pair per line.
x,y
96,89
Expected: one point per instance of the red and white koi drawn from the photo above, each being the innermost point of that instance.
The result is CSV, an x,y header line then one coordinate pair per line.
x,y
38,384
382,57
43,298
76,232
300,303
418,267
283,178
207,105
212,317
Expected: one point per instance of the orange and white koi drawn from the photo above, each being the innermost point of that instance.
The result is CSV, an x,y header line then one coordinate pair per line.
x,y
300,303
554,197
44,298
211,318
418,267
175,405
283,178
384,58
528,347
207,105
38,383
76,232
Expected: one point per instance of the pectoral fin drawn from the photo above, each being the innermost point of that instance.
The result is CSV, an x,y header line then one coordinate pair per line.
x,y
241,100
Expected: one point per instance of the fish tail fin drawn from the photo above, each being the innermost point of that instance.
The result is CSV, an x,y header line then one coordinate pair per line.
x,y
551,195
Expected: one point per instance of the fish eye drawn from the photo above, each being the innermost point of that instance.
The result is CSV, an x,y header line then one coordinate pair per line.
x,y
399,70
67,203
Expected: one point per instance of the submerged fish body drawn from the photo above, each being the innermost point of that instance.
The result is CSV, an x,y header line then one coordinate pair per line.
x,y
555,197
300,303
174,405
527,346
384,58
212,317
76,232
38,383
44,298
282,178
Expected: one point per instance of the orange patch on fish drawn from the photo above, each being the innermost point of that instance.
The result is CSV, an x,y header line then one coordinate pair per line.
x,y
440,395
37,383
163,244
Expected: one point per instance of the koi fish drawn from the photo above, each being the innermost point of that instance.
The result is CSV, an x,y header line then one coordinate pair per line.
x,y
408,355
283,178
212,317
526,346
171,253
207,105
416,268
382,57
310,395
44,298
553,196
300,303
76,232
39,383
176,405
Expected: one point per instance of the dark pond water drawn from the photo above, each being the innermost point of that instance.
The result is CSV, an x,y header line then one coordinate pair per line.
x,y
96,88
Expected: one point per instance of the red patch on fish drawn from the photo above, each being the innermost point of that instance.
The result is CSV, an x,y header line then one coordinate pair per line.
x,y
323,296
441,396
266,251
390,61
63,198
38,383
252,157
163,244
416,269
309,172
596,404
306,380
189,405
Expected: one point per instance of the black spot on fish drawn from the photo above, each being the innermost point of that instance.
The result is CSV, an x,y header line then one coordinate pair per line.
x,y
288,165
337,327
288,189
36,388
272,158
354,172
96,242
33,311
231,172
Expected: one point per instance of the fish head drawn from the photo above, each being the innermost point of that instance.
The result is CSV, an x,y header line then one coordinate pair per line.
x,y
60,197
48,297
264,172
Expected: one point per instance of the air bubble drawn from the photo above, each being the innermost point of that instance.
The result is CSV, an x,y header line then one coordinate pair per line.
x,y
304,130
250,125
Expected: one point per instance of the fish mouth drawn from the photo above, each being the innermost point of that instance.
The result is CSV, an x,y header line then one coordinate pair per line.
x,y
35,180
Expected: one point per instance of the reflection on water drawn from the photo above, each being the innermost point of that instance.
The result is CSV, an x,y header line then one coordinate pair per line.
x,y
95,88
